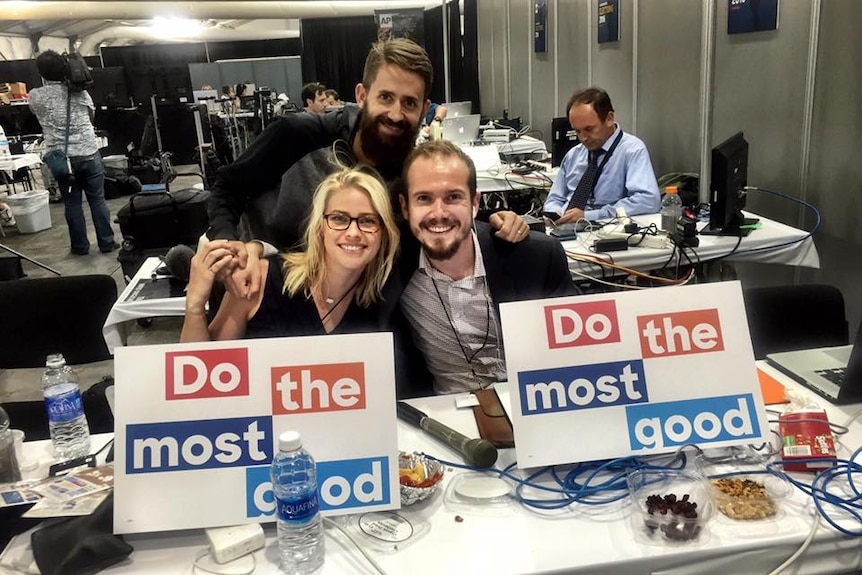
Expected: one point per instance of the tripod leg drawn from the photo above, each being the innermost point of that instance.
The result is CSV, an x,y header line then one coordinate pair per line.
x,y
31,260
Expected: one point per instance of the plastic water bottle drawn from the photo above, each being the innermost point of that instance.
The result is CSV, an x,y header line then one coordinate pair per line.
x,y
671,209
5,152
300,531
9,470
70,433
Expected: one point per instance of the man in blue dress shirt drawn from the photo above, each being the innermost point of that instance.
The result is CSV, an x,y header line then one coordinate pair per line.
x,y
608,169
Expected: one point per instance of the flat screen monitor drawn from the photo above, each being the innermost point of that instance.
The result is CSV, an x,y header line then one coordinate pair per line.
x,y
199,95
563,139
208,97
728,179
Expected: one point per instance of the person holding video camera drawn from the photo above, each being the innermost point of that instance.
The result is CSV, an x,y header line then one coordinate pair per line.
x,y
65,111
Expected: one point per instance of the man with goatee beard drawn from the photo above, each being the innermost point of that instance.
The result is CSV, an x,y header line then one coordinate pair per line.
x,y
460,273
293,155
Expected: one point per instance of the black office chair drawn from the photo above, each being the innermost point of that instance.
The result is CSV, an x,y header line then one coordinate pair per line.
x,y
787,318
55,315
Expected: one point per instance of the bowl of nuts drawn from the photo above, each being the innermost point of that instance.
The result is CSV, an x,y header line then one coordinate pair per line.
x,y
743,490
419,477
669,506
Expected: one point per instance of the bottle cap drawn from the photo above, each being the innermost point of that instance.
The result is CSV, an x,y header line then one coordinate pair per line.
x,y
55,360
289,441
671,190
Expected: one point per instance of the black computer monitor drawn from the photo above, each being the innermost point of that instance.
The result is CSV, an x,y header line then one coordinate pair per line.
x,y
728,180
563,139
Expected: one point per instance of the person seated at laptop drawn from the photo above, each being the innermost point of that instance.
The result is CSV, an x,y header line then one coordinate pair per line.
x,y
436,113
608,169
462,272
334,285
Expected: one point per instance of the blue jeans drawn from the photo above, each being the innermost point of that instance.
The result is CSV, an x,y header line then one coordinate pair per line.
x,y
90,178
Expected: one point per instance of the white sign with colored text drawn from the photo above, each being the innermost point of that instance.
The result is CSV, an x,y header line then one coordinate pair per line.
x,y
635,373
196,427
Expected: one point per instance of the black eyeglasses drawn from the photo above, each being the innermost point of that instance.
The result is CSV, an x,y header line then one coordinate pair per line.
x,y
340,222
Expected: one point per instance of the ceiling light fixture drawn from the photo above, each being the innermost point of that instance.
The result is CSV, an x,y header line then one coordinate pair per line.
x,y
173,27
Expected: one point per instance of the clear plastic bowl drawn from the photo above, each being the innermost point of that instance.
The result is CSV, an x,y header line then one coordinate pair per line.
x,y
741,490
669,506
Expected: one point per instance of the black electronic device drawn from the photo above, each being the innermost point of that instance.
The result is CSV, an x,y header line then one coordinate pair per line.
x,y
476,452
109,87
563,139
728,179
611,245
78,76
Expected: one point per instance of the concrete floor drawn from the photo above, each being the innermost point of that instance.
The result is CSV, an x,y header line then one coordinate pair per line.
x,y
51,248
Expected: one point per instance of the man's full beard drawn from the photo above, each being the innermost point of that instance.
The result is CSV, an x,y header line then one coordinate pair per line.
x,y
386,153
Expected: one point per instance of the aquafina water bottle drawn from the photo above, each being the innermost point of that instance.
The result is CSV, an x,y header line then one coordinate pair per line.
x,y
70,433
300,531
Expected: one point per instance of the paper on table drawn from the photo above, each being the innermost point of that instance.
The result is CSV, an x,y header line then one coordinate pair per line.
x,y
48,507
85,482
772,390
17,494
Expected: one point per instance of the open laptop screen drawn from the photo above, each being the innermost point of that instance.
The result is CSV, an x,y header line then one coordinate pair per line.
x,y
461,130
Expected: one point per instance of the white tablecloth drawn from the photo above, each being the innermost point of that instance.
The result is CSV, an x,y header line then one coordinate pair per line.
x,y
12,163
773,242
116,328
594,540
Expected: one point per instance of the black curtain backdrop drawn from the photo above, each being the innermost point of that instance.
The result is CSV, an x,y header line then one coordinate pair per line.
x,y
463,53
434,47
153,55
334,51
254,49
470,84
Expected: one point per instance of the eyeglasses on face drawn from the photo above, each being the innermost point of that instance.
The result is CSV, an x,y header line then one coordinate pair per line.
x,y
340,222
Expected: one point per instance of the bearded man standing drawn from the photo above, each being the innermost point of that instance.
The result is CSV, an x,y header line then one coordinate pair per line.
x,y
295,154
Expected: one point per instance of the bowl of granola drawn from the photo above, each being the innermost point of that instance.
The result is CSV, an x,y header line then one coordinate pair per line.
x,y
743,489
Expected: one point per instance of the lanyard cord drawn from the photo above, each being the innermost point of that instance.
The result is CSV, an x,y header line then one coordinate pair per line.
x,y
468,359
606,157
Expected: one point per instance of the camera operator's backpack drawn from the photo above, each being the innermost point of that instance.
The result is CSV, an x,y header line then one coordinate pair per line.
x,y
78,76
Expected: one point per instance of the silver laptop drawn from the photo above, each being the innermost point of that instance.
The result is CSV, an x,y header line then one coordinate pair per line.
x,y
832,372
461,130
457,109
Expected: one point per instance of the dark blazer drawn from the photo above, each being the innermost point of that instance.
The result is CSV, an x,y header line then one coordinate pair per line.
x,y
533,268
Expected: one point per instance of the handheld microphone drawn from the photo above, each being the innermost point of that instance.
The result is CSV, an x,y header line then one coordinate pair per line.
x,y
476,452
178,260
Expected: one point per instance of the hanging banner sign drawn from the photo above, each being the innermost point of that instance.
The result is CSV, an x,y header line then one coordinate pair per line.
x,y
403,23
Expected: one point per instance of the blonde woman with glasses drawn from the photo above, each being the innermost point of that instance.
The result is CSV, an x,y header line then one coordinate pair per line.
x,y
333,286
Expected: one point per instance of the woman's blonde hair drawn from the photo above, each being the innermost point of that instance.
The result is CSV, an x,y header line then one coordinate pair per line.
x,y
306,270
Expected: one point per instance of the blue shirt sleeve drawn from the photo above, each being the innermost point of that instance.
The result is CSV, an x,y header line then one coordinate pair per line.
x,y
631,185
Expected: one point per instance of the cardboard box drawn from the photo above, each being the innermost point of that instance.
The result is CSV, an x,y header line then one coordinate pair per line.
x,y
13,89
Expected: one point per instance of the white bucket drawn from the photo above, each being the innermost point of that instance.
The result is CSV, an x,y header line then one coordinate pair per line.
x,y
31,211
117,162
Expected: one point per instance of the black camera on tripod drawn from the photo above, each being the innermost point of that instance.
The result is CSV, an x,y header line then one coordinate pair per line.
x,y
77,77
